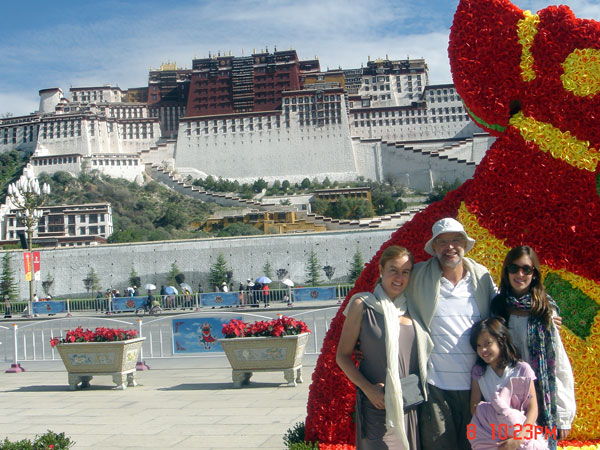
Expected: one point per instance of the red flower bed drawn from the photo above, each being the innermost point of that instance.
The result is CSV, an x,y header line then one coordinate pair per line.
x,y
100,334
282,326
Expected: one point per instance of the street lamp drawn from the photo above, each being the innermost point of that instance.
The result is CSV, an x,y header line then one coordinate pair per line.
x,y
26,196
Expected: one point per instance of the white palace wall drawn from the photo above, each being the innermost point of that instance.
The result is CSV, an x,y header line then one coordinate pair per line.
x,y
278,153
246,256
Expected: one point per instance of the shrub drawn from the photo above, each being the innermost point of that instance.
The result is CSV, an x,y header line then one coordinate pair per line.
x,y
46,441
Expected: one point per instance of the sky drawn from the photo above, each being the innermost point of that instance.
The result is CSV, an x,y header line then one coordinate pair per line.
x,y
75,43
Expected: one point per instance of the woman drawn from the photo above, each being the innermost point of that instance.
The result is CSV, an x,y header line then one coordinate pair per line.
x,y
528,310
388,339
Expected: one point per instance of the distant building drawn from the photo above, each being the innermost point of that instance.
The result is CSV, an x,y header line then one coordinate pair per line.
x,y
269,222
61,226
268,115
167,96
334,194
228,84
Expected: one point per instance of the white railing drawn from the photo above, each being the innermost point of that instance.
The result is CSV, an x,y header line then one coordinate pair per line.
x,y
31,341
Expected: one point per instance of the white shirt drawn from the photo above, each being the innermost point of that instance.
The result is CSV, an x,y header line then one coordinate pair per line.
x,y
450,363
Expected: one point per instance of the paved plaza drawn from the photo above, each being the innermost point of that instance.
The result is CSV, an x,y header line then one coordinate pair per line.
x,y
181,403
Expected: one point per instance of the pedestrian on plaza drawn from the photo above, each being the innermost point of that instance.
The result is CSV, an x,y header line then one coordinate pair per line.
x,y
224,287
200,289
7,309
242,294
35,300
109,297
448,294
99,298
265,294
256,293
391,342
528,310
136,293
502,391
249,292
187,298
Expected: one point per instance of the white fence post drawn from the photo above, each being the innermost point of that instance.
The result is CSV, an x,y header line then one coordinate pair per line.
x,y
141,364
15,367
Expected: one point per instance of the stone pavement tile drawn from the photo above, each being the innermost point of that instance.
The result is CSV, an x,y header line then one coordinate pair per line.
x,y
225,441
207,429
231,410
161,441
191,408
275,429
185,420
8,428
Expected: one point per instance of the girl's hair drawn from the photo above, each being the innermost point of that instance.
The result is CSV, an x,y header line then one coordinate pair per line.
x,y
540,305
393,252
509,355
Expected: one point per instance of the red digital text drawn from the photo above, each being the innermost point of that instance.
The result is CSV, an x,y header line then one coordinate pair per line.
x,y
518,432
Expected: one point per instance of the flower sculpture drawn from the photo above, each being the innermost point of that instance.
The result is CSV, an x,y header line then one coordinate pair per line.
x,y
533,81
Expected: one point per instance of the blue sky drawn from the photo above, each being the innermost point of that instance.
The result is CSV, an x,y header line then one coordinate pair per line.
x,y
79,43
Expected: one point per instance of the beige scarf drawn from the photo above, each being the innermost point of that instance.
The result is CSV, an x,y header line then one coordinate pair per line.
x,y
391,310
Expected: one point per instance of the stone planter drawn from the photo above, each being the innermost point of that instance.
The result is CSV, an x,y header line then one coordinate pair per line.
x,y
84,360
265,354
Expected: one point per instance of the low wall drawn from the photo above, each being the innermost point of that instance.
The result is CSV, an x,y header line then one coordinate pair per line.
x,y
245,255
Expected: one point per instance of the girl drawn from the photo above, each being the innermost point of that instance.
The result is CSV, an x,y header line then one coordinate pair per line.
x,y
389,339
528,311
505,382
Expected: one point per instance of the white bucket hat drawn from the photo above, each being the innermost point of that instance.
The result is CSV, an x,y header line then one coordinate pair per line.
x,y
448,225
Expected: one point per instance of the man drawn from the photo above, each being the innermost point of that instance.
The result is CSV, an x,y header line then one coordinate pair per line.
x,y
448,294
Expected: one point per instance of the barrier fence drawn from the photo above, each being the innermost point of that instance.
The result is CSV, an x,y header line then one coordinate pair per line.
x,y
166,336
183,302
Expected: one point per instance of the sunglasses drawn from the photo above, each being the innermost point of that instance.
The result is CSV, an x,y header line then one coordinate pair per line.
x,y
514,268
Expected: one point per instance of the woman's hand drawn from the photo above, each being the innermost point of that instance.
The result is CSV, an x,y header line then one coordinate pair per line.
x,y
509,444
563,433
376,395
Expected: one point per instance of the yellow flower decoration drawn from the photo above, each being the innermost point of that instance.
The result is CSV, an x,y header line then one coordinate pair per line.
x,y
560,144
582,72
526,30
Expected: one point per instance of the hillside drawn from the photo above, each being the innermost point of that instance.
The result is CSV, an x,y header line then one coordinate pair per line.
x,y
140,213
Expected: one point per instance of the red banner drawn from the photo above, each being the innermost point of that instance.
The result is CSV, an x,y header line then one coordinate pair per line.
x,y
36,265
27,260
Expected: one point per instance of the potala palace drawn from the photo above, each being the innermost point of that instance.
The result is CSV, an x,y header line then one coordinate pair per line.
x,y
268,115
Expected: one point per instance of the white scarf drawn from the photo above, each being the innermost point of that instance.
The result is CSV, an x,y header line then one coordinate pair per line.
x,y
391,310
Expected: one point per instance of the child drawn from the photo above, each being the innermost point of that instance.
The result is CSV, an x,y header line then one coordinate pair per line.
x,y
506,384
528,312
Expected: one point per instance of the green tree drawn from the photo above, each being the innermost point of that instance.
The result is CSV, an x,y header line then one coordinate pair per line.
x,y
259,185
441,189
134,278
285,185
312,269
268,270
173,274
356,267
91,281
8,286
305,184
239,229
219,272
